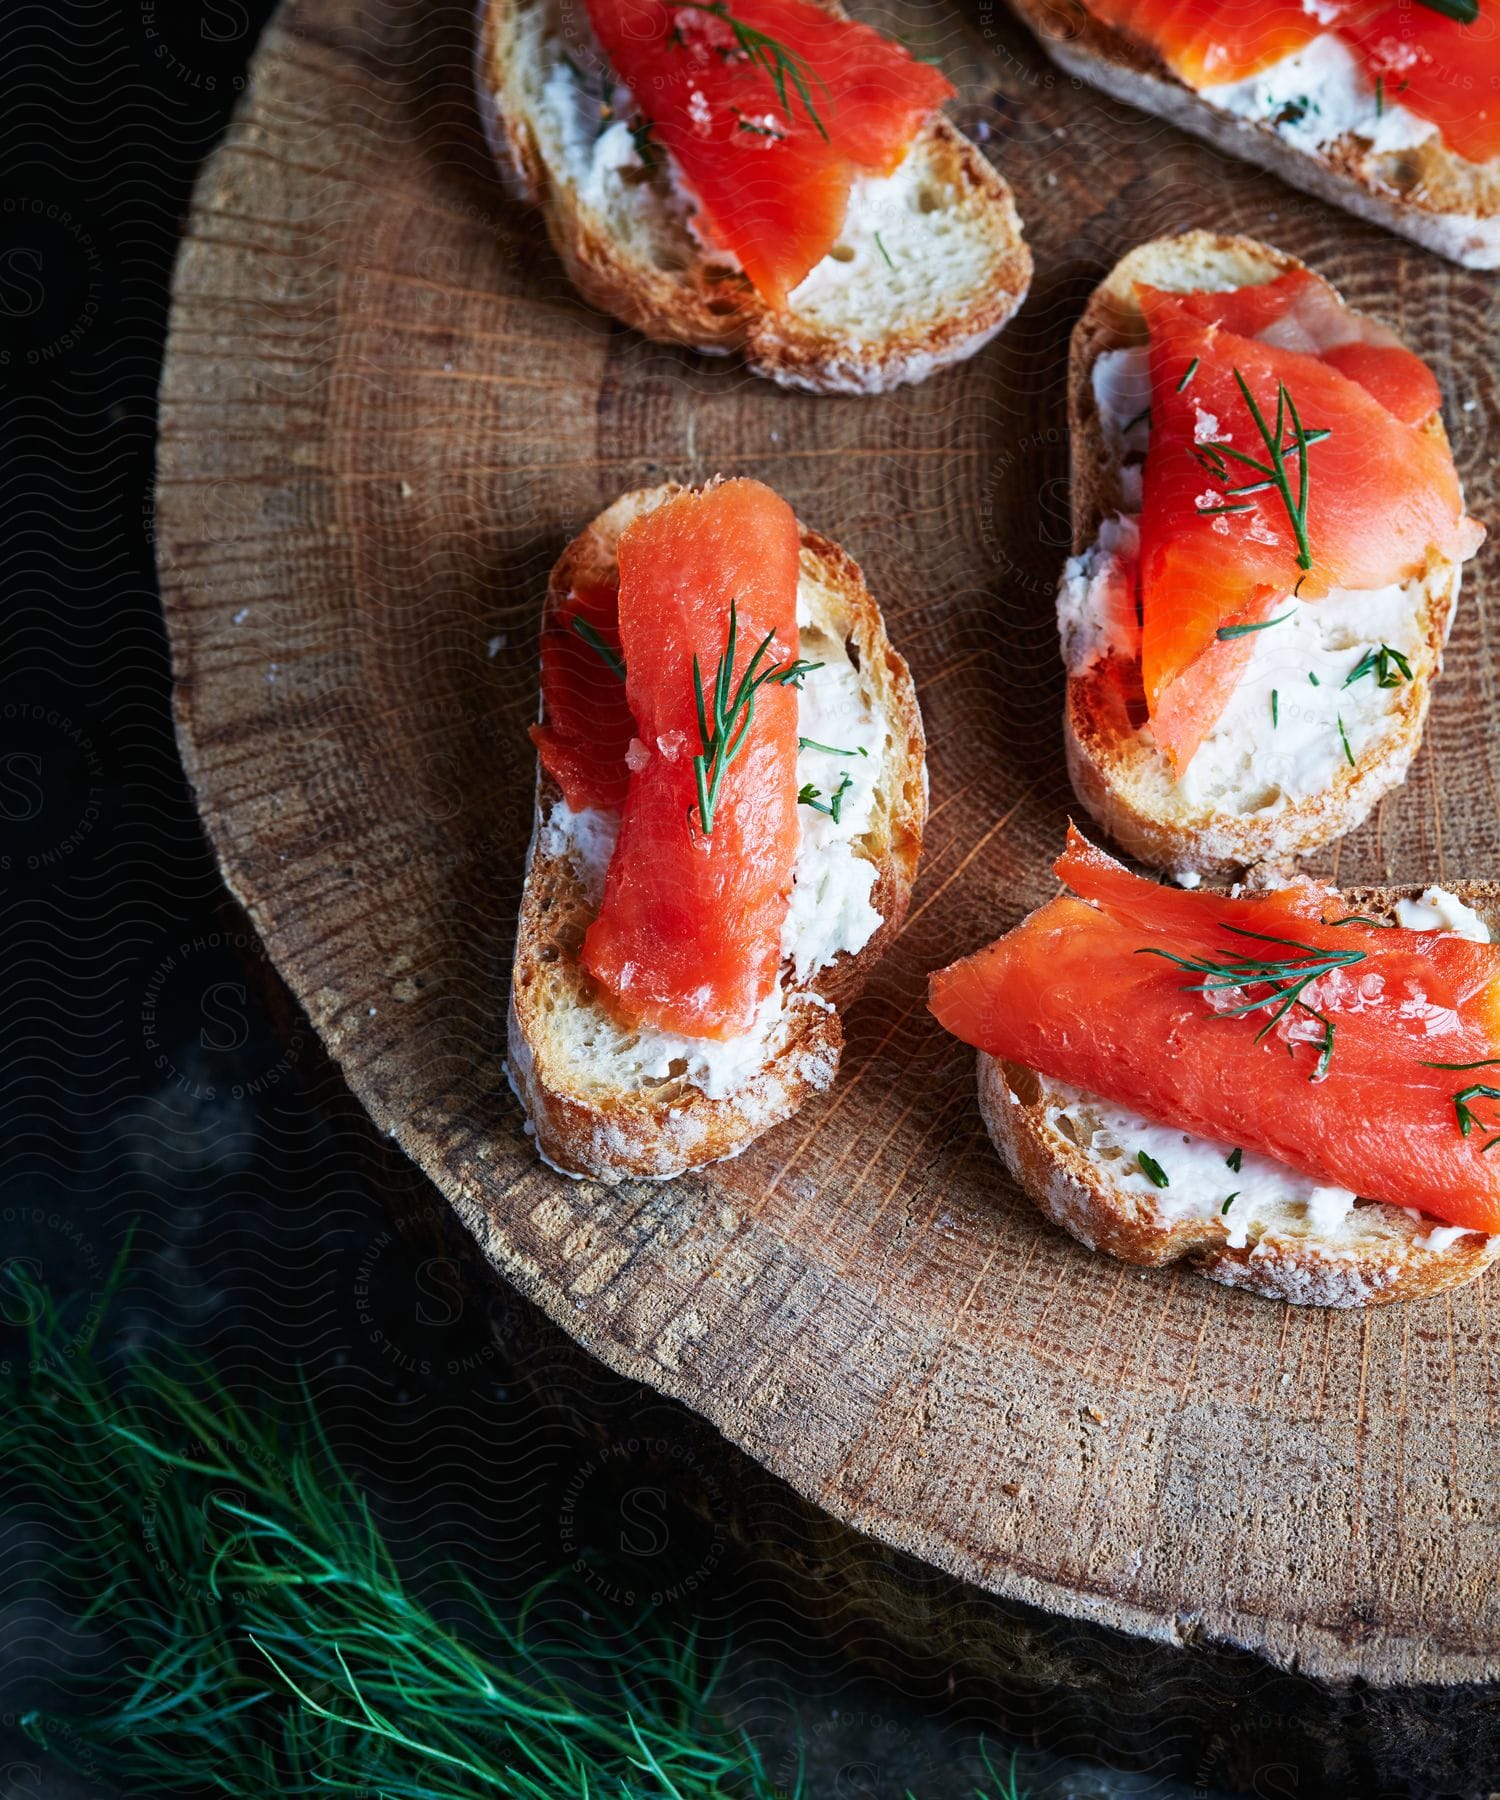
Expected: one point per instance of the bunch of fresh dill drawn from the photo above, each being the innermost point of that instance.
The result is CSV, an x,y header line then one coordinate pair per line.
x,y
262,1639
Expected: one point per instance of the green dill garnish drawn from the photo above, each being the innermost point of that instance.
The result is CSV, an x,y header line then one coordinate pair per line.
x,y
1344,740
1360,919
1275,471
598,645
880,246
1275,710
645,150
1485,1062
273,1630
771,56
1235,1158
1286,977
832,749
755,129
1188,374
1238,631
1313,679
808,795
1130,424
1152,1169
1467,1117
1238,506
1389,667
1464,11
732,715
1229,1202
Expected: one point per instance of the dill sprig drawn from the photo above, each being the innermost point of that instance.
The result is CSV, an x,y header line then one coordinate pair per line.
x,y
1287,978
598,645
263,1639
732,713
1467,1117
808,795
1274,472
1226,632
831,749
1152,1169
782,64
1389,667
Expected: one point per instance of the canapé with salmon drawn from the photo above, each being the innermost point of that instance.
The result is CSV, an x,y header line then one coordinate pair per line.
x,y
729,812
1269,535
767,176
1294,1089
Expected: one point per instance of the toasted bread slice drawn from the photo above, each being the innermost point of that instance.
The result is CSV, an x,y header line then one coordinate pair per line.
x,y
930,266
1281,1243
611,1101
1230,811
1420,190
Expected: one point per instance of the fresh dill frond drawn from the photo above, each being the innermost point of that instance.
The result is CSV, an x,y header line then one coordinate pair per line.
x,y
769,54
1464,11
832,749
808,795
1389,667
724,723
597,644
1226,632
1152,1169
1274,473
264,1640
1287,978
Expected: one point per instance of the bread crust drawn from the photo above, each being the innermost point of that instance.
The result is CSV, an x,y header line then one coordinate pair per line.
x,y
716,310
1387,1261
1424,193
1113,773
662,1130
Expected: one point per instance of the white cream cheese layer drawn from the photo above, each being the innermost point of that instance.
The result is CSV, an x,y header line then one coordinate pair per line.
x,y
831,909
1292,722
1438,910
1320,94
1199,1180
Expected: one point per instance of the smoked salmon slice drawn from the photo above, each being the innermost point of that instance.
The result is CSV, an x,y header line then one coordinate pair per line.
x,y
588,725
769,108
1443,69
1276,1021
688,935
1364,500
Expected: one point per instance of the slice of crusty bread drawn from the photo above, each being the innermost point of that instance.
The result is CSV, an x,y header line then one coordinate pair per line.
x,y
1378,1252
1126,782
1424,191
930,266
572,1064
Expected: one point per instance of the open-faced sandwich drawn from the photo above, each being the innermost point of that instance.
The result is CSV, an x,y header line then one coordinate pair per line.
x,y
758,175
1296,1090
729,812
1269,535
1389,110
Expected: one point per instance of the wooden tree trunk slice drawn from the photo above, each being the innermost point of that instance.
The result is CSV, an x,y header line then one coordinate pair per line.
x,y
383,414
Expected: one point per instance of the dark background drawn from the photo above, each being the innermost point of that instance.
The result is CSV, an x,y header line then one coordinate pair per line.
x,y
155,1073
